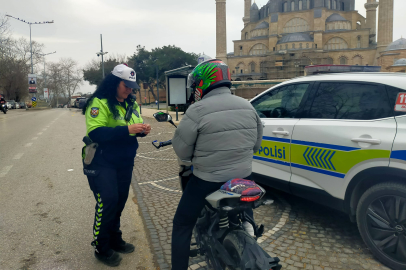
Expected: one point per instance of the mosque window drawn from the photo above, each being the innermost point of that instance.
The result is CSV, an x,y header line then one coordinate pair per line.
x,y
296,25
343,60
286,46
342,6
262,67
300,5
285,6
259,49
308,4
307,45
357,61
292,6
328,4
246,35
293,46
252,67
300,45
359,42
336,44
334,4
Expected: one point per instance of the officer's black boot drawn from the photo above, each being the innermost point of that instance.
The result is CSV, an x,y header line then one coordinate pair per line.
x,y
123,247
110,258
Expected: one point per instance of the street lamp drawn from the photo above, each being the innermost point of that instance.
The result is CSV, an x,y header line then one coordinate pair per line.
x,y
102,53
45,75
30,23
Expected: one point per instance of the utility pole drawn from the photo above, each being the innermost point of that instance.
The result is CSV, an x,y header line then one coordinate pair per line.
x,y
45,75
102,53
30,23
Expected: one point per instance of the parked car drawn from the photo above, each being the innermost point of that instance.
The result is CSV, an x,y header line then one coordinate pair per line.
x,y
22,105
9,106
17,105
76,104
336,139
13,104
82,102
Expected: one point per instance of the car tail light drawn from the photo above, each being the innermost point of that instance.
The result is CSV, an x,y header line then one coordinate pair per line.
x,y
249,199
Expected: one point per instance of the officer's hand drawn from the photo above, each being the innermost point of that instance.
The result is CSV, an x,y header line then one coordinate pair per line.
x,y
147,129
136,128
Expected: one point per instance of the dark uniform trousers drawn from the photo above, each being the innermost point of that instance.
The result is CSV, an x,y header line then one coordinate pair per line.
x,y
110,188
190,206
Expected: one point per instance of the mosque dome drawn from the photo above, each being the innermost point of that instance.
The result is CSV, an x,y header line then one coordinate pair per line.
x,y
254,6
400,62
296,37
262,25
399,44
335,18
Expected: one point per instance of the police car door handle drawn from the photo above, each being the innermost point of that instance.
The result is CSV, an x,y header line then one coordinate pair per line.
x,y
367,140
263,123
280,132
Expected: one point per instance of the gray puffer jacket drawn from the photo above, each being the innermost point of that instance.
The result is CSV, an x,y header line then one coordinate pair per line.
x,y
219,134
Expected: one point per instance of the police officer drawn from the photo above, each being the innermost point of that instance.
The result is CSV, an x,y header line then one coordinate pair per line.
x,y
113,124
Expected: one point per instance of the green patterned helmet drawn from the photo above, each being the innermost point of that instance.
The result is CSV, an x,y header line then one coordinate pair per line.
x,y
207,76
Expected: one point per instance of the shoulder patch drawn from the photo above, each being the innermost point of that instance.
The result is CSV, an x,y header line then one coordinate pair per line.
x,y
94,112
136,113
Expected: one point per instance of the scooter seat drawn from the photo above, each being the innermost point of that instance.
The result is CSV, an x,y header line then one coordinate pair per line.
x,y
243,187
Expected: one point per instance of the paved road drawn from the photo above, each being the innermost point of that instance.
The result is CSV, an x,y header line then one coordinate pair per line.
x,y
302,234
46,209
46,206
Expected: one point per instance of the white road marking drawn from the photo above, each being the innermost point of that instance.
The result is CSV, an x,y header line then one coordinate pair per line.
x,y
44,129
165,159
40,133
34,138
156,181
18,156
70,170
164,188
28,144
280,224
5,170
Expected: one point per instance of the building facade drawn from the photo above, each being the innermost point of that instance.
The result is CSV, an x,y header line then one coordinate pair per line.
x,y
281,38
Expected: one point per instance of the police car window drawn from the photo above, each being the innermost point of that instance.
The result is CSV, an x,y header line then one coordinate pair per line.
x,y
393,95
282,102
350,101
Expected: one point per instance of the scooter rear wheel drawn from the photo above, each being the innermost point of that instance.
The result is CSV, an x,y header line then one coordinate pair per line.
x,y
234,244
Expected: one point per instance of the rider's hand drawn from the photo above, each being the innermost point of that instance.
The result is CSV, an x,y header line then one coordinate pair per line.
x,y
147,129
136,128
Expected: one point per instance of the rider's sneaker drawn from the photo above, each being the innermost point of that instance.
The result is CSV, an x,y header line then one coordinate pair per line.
x,y
110,258
248,228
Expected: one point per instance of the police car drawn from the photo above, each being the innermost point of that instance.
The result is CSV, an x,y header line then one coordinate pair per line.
x,y
337,139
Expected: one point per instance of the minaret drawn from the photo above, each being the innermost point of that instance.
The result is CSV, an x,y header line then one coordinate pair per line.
x,y
221,30
371,7
247,7
385,23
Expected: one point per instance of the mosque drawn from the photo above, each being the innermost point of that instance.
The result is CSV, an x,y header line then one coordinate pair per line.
x,y
282,37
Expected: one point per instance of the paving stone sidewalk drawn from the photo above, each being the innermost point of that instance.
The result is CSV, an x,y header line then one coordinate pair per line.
x,y
304,235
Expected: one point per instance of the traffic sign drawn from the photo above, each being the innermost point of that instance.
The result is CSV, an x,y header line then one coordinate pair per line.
x,y
34,104
401,102
34,99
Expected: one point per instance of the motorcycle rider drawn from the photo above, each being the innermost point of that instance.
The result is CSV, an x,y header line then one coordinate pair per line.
x,y
218,134
3,102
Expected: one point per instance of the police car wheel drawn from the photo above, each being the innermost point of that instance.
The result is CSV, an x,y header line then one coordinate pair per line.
x,y
381,219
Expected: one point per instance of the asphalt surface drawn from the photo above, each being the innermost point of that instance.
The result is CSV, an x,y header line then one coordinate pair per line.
x,y
46,206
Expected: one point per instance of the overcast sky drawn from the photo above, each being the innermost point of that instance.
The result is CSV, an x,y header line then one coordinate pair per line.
x,y
188,24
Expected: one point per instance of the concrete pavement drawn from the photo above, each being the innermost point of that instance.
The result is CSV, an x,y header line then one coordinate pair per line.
x,y
46,206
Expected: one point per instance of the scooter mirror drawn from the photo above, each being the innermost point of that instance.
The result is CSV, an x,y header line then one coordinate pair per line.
x,y
162,117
